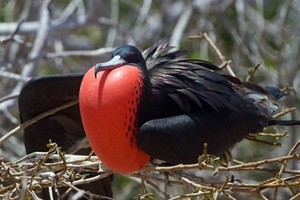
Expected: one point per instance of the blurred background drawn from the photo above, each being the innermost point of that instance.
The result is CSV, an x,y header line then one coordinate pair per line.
x,y
41,37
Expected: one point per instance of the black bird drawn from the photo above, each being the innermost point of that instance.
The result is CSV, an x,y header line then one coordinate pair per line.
x,y
158,104
165,106
64,127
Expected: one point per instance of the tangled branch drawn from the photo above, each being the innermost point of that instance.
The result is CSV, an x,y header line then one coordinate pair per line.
x,y
49,38
54,169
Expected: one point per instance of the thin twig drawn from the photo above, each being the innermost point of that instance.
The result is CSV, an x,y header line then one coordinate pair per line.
x,y
8,97
253,138
288,110
245,166
37,118
284,164
252,71
95,52
11,37
217,50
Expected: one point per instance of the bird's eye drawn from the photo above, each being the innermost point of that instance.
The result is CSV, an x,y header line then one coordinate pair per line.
x,y
130,58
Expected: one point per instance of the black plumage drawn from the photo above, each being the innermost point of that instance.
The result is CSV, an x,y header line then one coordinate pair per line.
x,y
64,127
187,103
184,104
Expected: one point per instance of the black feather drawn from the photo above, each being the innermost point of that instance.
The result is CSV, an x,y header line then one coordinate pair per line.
x,y
190,102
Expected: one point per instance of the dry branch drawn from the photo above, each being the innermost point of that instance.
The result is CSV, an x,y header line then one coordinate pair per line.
x,y
40,169
30,43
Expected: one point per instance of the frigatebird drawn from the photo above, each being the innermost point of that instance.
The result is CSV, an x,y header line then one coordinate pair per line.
x,y
162,105
158,104
64,127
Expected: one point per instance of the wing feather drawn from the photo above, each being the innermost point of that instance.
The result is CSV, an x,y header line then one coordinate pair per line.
x,y
188,82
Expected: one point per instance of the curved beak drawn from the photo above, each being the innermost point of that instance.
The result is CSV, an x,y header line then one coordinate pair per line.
x,y
115,62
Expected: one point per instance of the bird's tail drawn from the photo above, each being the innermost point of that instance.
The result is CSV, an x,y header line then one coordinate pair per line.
x,y
284,122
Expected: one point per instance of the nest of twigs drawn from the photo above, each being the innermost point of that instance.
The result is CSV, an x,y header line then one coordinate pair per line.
x,y
210,178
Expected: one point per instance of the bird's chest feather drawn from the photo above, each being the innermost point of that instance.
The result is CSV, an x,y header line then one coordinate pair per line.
x,y
108,106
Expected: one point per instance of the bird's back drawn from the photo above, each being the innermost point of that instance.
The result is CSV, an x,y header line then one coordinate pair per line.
x,y
190,102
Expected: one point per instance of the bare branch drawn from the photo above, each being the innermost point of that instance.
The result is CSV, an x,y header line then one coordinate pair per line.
x,y
35,119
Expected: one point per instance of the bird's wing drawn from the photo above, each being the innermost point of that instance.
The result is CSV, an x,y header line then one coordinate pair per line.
x,y
181,138
64,127
161,53
188,81
42,94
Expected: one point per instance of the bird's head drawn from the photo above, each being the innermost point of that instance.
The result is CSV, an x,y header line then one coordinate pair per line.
x,y
121,56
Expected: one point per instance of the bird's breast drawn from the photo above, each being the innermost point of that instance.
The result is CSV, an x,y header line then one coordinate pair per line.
x,y
108,107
